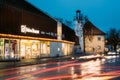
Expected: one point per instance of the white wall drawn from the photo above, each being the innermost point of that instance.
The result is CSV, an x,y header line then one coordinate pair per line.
x,y
55,49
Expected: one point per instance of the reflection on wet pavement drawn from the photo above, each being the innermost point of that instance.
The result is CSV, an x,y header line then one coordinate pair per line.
x,y
107,68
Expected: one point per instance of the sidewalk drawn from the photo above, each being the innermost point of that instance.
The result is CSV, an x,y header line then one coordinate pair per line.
x,y
25,62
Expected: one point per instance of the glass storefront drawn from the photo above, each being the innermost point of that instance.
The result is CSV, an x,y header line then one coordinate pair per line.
x,y
64,48
11,49
34,49
67,48
45,48
29,49
1,48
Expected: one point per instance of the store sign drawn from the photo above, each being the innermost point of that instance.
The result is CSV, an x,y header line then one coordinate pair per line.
x,y
25,29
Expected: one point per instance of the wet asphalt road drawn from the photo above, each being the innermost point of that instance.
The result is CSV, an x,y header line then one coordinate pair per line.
x,y
107,68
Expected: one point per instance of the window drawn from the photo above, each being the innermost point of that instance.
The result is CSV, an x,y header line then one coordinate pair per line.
x,y
99,47
1,48
99,38
11,49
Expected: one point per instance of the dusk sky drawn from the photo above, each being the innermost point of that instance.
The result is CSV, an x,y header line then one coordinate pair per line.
x,y
104,14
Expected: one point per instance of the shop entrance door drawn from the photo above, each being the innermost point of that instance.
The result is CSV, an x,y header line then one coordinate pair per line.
x,y
28,52
25,49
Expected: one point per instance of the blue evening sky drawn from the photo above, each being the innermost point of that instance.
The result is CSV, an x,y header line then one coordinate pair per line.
x,y
104,14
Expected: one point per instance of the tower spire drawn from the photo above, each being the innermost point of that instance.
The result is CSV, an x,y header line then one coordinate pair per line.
x,y
78,14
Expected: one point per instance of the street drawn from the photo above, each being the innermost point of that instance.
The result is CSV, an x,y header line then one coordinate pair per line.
x,y
106,68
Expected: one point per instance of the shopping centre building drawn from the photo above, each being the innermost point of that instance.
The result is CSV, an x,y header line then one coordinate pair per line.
x,y
27,32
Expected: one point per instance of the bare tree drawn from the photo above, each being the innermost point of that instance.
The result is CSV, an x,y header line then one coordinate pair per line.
x,y
113,37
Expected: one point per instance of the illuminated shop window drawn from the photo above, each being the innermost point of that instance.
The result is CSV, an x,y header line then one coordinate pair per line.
x,y
11,49
30,49
64,48
67,49
22,48
1,48
45,48
35,49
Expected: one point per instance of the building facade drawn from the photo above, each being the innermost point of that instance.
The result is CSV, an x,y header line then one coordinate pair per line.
x,y
94,38
27,32
91,39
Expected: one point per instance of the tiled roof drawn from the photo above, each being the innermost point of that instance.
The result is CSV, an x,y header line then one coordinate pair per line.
x,y
90,28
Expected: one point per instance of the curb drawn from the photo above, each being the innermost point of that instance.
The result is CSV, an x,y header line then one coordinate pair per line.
x,y
11,64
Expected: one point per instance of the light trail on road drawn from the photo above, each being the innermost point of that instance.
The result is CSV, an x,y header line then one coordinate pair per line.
x,y
102,76
10,71
43,70
99,69
112,74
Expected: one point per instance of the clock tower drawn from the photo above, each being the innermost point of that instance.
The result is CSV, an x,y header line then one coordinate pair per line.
x,y
78,27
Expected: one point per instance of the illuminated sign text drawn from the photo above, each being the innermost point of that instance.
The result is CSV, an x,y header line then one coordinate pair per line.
x,y
25,29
